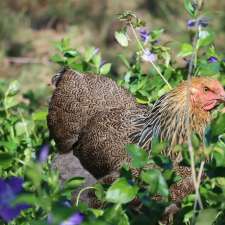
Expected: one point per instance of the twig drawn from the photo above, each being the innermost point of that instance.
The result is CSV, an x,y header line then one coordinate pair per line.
x,y
189,142
196,180
26,60
80,192
143,50
198,184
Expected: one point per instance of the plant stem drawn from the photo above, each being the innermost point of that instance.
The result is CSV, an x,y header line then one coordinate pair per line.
x,y
196,179
143,50
80,192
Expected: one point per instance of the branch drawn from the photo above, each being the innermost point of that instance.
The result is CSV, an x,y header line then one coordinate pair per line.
x,y
26,60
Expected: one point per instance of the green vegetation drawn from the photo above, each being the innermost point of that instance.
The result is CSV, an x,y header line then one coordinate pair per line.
x,y
147,68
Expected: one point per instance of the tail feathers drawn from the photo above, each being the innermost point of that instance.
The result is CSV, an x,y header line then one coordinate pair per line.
x,y
58,76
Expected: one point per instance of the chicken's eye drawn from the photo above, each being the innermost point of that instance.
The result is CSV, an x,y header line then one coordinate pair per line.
x,y
206,89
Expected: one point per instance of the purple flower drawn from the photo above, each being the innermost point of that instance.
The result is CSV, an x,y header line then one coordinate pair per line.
x,y
9,189
156,42
212,59
67,203
149,56
96,51
103,62
144,35
50,219
75,219
43,153
203,22
191,23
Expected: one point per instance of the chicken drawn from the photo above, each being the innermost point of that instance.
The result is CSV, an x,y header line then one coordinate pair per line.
x,y
96,118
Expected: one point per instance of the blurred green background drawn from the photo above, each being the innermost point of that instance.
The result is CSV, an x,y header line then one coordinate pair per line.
x,y
29,29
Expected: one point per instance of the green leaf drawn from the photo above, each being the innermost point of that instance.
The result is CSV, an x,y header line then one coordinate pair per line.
x,y
105,68
71,53
97,212
76,66
157,147
123,218
209,68
115,215
89,53
156,181
10,145
63,45
167,57
22,127
39,222
155,34
33,171
122,39
97,60
189,7
206,217
74,183
186,50
10,102
30,199
99,192
219,156
5,160
60,213
124,60
205,38
57,59
217,126
121,192
142,101
196,142
139,156
39,116
13,88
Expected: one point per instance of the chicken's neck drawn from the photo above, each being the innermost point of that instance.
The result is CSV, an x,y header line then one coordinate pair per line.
x,y
168,121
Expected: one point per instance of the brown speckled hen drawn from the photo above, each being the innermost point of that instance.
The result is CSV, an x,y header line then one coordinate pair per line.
x,y
96,118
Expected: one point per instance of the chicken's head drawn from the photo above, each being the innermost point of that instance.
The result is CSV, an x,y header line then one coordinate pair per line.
x,y
206,93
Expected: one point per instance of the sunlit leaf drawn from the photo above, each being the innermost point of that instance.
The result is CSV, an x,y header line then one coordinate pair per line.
x,y
156,181
121,192
124,60
105,68
5,160
139,156
155,34
13,88
39,116
57,59
122,39
189,7
97,60
71,53
74,183
22,127
205,38
10,102
186,50
90,53
206,217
